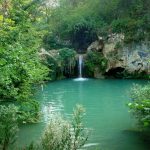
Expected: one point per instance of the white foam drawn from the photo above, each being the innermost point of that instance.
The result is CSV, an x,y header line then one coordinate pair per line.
x,y
80,79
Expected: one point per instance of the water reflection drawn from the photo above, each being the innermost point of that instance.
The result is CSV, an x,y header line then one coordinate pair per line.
x,y
52,104
80,79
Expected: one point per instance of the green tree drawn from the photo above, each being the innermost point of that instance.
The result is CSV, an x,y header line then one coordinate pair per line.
x,y
78,20
20,41
20,65
8,126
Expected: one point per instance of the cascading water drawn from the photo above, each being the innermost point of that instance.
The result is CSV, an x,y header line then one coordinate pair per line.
x,y
80,66
80,69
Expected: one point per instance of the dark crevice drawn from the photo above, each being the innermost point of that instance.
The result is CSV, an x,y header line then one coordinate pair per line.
x,y
115,72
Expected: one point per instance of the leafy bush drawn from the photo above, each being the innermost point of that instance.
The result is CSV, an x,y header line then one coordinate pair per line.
x,y
64,135
140,106
131,27
51,42
28,112
20,66
60,134
57,135
20,40
8,126
95,59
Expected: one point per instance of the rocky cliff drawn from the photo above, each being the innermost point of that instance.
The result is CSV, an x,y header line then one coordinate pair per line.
x,y
123,59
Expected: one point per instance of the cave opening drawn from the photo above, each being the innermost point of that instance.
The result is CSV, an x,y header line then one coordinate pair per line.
x,y
117,72
83,35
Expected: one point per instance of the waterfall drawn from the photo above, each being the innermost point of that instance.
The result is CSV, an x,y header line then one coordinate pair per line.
x,y
80,69
80,65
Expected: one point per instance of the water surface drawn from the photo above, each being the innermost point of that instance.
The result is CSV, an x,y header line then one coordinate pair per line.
x,y
106,112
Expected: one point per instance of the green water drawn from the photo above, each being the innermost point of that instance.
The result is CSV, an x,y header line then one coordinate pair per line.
x,y
106,112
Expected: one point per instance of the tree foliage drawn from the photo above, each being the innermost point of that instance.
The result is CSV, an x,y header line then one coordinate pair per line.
x,y
20,65
81,21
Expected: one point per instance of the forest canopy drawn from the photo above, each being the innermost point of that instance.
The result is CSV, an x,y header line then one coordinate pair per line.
x,y
80,21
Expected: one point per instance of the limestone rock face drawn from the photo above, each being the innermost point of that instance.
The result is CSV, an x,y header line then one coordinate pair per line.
x,y
97,45
132,58
137,60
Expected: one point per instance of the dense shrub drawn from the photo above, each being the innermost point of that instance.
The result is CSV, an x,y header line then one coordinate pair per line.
x,y
95,60
131,27
60,134
8,126
64,135
140,105
28,112
51,42
79,21
20,40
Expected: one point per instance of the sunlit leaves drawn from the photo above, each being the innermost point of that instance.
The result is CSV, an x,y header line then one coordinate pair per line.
x,y
20,40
